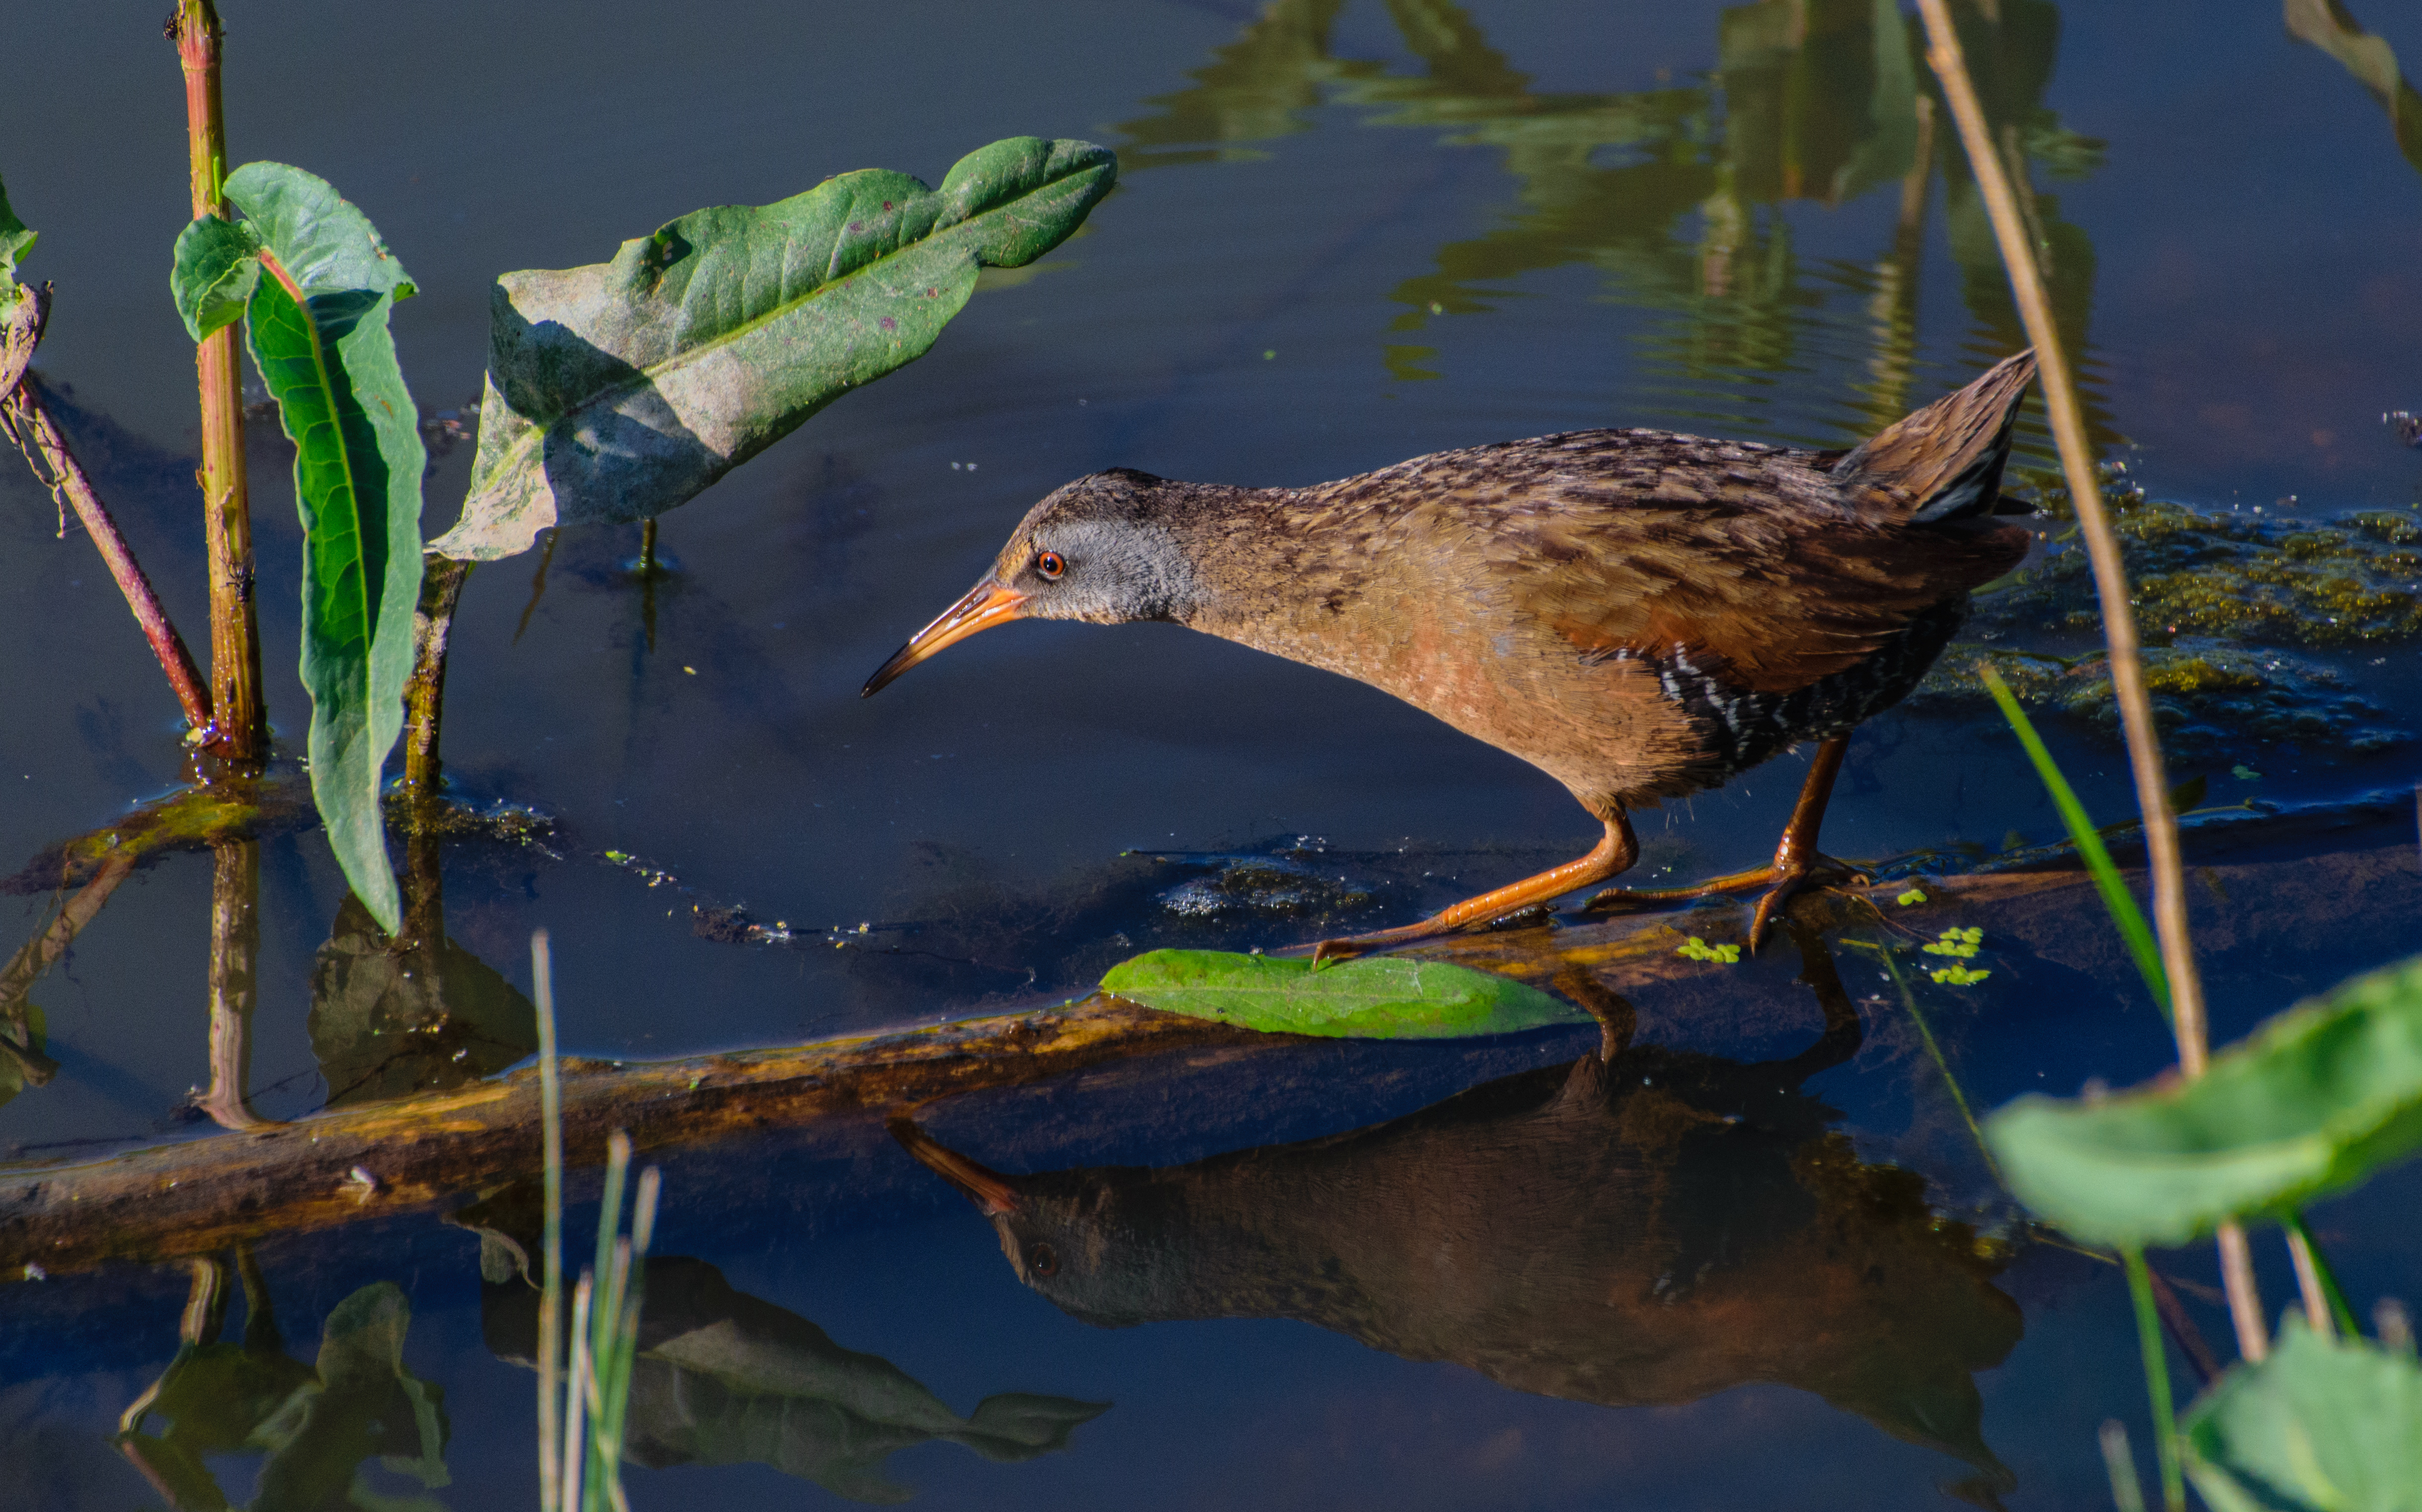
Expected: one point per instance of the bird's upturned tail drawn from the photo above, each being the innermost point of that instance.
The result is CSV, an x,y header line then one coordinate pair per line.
x,y
1945,461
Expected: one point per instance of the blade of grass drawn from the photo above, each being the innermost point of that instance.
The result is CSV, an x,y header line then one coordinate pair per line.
x,y
2113,888
550,1318
2157,1379
578,1397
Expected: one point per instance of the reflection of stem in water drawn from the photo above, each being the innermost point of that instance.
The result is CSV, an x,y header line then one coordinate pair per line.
x,y
538,583
648,582
1893,307
36,956
235,949
1926,1033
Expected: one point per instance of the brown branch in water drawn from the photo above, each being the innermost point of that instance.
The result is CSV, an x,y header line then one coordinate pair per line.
x,y
2018,246
28,422
425,1152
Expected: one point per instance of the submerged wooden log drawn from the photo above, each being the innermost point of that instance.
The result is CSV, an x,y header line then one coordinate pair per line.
x,y
419,1153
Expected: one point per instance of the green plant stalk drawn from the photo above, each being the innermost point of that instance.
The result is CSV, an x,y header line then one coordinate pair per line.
x,y
550,1318
2157,1379
2114,887
241,718
575,1446
2311,1263
2188,1021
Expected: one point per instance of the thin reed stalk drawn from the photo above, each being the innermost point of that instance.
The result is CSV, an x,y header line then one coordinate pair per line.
x,y
2157,1379
550,1316
2119,617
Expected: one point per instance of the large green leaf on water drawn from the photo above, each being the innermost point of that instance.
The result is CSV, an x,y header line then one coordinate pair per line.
x,y
2322,1426
1377,997
330,364
618,390
2310,1103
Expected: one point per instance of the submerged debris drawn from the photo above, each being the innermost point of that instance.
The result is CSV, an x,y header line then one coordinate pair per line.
x,y
1274,886
2238,611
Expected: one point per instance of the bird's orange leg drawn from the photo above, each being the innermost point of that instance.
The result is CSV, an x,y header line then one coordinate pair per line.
x,y
1612,856
1795,859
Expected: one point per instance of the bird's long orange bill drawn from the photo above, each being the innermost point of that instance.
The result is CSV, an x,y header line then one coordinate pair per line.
x,y
988,603
988,1190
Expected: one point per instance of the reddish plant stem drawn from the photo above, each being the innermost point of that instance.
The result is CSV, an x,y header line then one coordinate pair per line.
x,y
226,510
29,423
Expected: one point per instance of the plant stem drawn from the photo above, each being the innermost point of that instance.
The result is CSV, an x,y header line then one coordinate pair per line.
x,y
424,691
550,1318
227,511
2157,1378
2325,1303
2111,589
28,421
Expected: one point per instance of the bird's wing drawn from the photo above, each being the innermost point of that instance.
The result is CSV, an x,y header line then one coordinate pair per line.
x,y
1741,558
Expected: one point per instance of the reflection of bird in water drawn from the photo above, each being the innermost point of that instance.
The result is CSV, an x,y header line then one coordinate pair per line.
x,y
723,1378
1649,1228
1637,613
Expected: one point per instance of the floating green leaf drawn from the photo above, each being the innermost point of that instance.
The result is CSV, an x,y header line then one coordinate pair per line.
x,y
2311,1103
216,266
618,390
2322,1426
1377,997
323,349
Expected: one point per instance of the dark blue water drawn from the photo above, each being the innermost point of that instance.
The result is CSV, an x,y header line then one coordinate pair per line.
x,y
1345,235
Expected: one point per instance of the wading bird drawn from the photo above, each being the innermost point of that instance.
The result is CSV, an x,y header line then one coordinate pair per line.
x,y
1638,614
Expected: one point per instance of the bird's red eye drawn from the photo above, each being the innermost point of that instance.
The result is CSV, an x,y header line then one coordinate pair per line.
x,y
1050,564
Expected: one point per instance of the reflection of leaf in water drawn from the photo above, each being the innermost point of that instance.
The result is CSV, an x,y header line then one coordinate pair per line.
x,y
724,1377
2330,26
1261,87
29,1030
360,1402
317,1427
1670,193
384,1023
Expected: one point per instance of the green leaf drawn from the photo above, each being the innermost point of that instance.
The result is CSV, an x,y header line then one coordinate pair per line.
x,y
2322,1424
330,364
2312,1102
15,242
618,390
212,277
2117,899
1378,997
